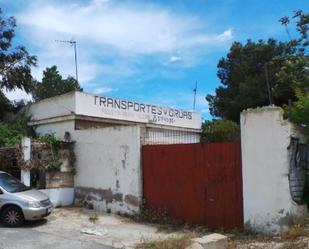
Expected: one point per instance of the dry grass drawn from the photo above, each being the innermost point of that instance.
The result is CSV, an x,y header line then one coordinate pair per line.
x,y
171,243
303,244
295,232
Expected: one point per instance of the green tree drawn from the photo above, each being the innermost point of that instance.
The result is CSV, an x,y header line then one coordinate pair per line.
x,y
11,133
243,75
300,111
293,74
5,105
220,131
302,22
15,63
53,84
259,73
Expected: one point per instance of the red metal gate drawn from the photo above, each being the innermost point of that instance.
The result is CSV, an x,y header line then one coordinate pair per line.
x,y
199,183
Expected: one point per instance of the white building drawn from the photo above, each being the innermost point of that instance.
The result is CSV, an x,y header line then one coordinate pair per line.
x,y
109,134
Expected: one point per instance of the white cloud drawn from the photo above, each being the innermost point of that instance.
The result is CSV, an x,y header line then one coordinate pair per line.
x,y
102,90
100,2
17,95
125,28
225,36
115,40
175,58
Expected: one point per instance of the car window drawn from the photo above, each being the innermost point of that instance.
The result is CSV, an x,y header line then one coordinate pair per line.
x,y
11,184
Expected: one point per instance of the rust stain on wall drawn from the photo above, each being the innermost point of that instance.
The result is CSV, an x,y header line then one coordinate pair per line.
x,y
132,200
87,195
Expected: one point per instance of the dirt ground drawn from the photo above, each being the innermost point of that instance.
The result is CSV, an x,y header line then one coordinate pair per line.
x,y
119,232
84,229
270,243
113,230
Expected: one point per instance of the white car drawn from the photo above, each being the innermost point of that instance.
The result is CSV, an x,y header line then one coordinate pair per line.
x,y
19,202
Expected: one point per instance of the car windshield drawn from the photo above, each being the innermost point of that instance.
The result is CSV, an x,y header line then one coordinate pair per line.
x,y
11,184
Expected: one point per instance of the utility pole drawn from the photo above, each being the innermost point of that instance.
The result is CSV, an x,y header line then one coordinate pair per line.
x,y
194,98
73,43
268,85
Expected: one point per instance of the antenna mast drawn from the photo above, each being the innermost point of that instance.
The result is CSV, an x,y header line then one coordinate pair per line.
x,y
194,98
73,43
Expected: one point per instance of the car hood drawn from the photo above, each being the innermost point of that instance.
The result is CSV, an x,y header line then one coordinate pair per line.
x,y
32,195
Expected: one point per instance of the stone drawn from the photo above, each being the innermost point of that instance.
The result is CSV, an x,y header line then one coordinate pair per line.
x,y
212,241
194,246
94,231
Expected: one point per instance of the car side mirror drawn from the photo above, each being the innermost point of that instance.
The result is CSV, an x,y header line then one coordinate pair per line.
x,y
1,193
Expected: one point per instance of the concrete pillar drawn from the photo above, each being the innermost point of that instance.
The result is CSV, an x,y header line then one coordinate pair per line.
x,y
265,136
26,147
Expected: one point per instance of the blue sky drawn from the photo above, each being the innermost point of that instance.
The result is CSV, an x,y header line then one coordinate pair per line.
x,y
148,51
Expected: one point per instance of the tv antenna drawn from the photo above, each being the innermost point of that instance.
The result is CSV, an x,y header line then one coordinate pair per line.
x,y
73,43
194,97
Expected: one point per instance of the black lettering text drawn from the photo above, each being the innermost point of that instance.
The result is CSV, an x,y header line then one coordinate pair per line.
x,y
103,101
130,104
117,103
148,108
136,107
123,105
95,99
110,102
153,110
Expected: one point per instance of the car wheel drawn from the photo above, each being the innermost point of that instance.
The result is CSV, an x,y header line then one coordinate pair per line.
x,y
12,216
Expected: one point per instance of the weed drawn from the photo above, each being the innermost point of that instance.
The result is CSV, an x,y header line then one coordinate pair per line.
x,y
302,220
93,217
151,216
170,243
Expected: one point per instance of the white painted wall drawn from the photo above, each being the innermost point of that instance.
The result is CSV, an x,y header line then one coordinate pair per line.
x,y
60,197
265,136
109,158
106,158
53,107
58,128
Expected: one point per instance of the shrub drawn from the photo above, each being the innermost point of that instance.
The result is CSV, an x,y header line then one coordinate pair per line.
x,y
300,111
11,133
220,131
